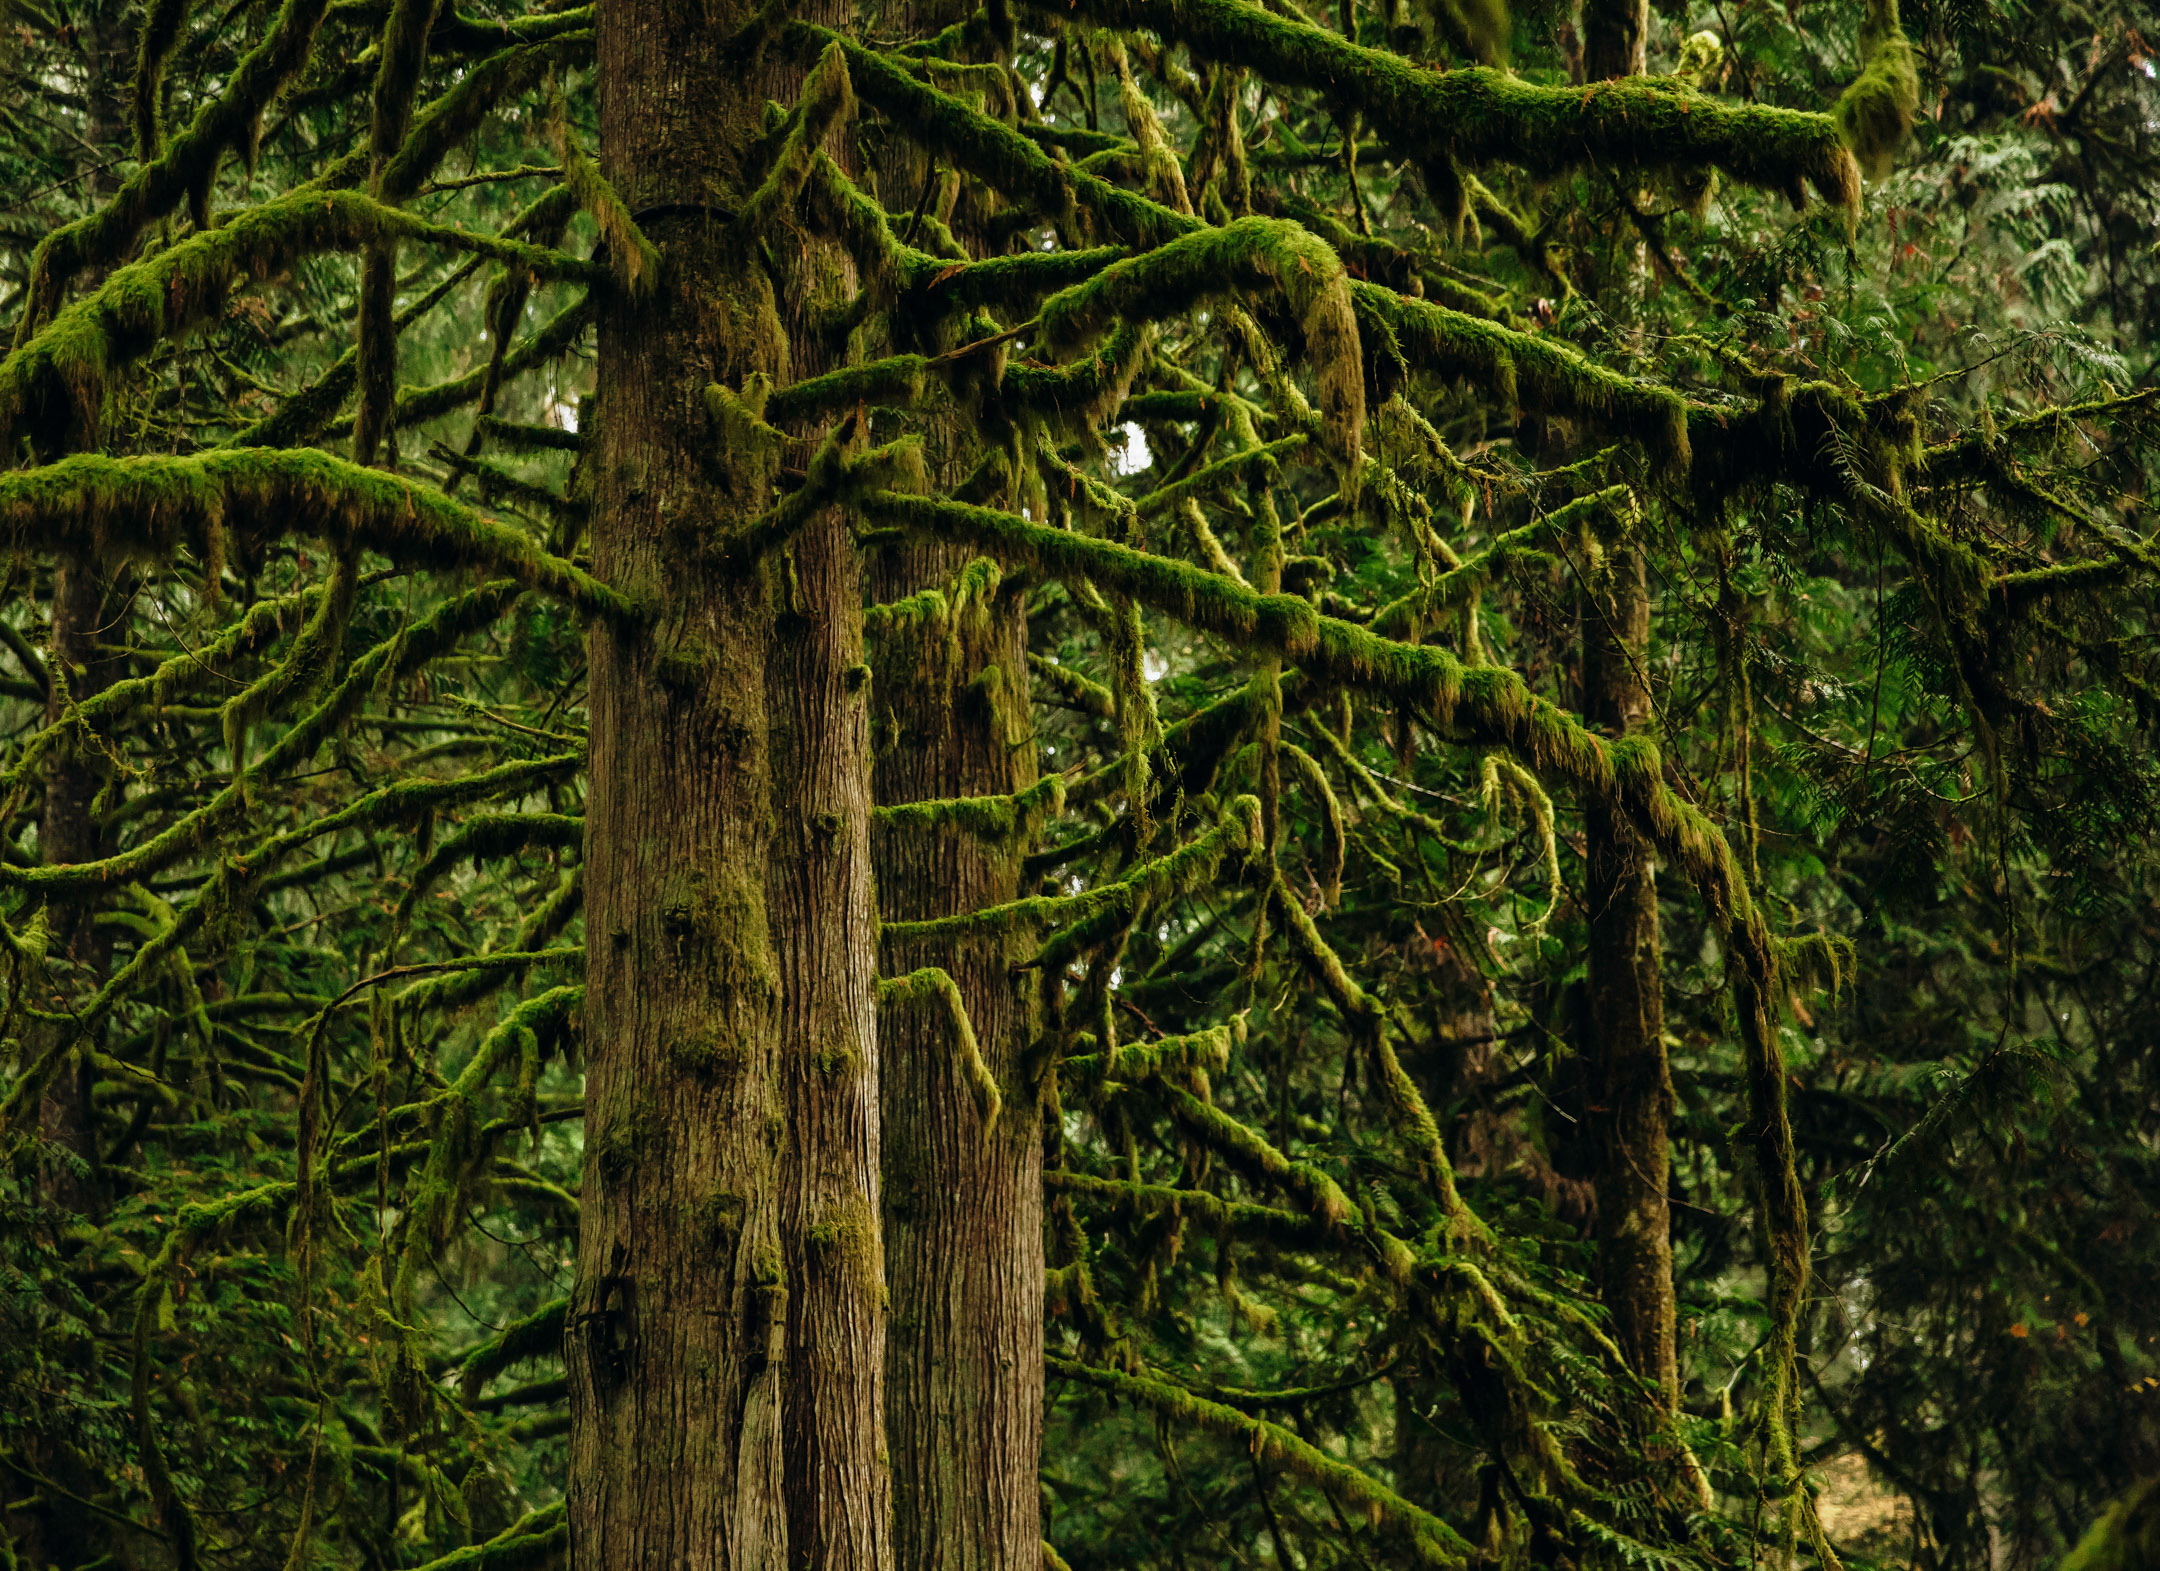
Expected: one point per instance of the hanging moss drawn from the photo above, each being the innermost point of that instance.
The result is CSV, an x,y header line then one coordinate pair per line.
x,y
450,121
1482,116
1096,1075
951,129
1538,373
1161,167
145,508
537,1335
161,26
60,373
485,836
1491,706
634,260
1085,913
1242,1217
225,123
1204,479
838,471
828,99
1256,256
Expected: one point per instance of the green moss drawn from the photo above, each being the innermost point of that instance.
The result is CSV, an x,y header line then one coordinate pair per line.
x,y
145,509
1480,116
1429,1540
1096,1075
710,1051
63,369
1876,113
827,97
633,259
934,986
847,1236
624,1140
1000,821
229,120
1259,257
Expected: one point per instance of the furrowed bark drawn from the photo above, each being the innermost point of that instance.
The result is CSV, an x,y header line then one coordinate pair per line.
x,y
963,1203
725,1337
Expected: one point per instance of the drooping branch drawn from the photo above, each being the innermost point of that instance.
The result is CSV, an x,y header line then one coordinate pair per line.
x,y
1431,1540
60,374
185,171
1479,115
147,508
1487,706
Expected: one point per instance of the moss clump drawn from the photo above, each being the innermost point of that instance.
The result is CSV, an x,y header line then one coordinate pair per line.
x,y
709,1051
1876,112
846,1235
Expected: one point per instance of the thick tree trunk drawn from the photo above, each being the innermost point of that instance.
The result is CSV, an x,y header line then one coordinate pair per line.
x,y
726,1340
963,1206
1630,1088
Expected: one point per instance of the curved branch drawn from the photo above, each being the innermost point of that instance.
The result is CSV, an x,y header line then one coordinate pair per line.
x,y
149,507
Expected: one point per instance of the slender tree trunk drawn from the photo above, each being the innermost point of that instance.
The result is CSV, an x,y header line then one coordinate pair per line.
x,y
1631,1097
726,1339
1630,1086
963,1205
59,1529
68,832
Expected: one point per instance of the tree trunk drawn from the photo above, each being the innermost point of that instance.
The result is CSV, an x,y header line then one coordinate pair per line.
x,y
726,1338
963,1206
1616,38
1630,1088
68,832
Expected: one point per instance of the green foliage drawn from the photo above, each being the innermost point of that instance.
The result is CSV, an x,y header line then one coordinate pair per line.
x,y
1298,378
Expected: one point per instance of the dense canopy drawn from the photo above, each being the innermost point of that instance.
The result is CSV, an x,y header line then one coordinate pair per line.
x,y
1144,783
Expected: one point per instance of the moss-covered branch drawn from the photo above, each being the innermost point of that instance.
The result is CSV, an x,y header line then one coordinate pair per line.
x,y
227,122
1481,115
1487,706
60,373
1261,257
1428,1538
148,508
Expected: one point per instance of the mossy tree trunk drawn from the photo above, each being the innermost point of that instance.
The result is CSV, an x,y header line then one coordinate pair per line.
x,y
726,1336
1630,1098
963,1204
68,827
